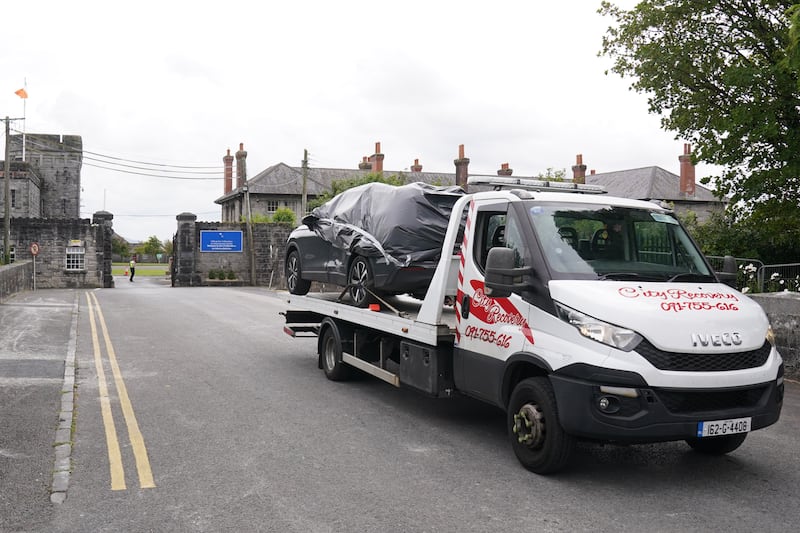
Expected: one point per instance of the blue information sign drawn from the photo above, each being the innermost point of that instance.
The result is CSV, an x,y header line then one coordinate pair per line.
x,y
220,241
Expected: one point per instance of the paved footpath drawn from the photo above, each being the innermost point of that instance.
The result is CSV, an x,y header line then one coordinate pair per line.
x,y
37,354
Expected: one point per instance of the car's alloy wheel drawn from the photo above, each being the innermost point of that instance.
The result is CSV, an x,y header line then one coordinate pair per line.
x,y
294,281
360,282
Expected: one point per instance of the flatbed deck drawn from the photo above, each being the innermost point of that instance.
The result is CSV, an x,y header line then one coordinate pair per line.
x,y
397,315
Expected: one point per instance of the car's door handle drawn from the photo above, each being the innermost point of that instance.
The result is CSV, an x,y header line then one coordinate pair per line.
x,y
465,306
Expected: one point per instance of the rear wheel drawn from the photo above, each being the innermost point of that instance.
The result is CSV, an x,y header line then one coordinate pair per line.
x,y
361,282
294,281
717,445
331,355
538,440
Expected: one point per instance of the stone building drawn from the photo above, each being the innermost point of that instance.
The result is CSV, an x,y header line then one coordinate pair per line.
x,y
47,182
281,185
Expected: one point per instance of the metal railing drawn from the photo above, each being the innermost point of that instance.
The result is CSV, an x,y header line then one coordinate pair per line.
x,y
758,277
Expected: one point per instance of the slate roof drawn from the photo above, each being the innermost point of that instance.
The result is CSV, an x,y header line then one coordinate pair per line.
x,y
648,183
283,179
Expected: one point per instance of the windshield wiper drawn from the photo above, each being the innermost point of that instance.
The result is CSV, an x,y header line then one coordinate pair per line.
x,y
691,276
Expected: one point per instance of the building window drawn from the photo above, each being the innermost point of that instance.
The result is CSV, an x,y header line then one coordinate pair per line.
x,y
272,205
76,258
13,198
12,256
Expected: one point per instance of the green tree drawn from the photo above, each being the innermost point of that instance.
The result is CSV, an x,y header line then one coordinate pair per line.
x,y
152,246
721,75
120,246
167,246
342,185
552,174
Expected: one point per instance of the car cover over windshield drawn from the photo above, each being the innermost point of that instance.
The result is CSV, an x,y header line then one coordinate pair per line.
x,y
404,224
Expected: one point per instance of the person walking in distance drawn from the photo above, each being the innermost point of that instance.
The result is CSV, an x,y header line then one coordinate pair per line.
x,y
133,266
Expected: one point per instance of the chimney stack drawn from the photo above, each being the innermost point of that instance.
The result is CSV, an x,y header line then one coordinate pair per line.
x,y
241,166
416,167
579,170
377,159
504,170
462,167
228,162
687,172
365,164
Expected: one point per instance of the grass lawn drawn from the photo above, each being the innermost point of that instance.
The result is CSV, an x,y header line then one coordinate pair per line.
x,y
142,269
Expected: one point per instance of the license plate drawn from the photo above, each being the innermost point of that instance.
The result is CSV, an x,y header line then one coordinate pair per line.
x,y
717,428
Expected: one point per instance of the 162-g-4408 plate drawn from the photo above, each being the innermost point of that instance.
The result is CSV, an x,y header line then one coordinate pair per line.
x,y
719,428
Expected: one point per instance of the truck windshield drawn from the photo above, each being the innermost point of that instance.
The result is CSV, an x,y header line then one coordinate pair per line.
x,y
608,242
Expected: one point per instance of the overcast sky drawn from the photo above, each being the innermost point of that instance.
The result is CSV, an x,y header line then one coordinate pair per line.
x,y
179,82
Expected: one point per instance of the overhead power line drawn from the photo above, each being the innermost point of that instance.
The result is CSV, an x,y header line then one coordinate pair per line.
x,y
156,172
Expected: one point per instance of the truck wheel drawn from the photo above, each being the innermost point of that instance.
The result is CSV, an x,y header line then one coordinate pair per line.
x,y
294,281
538,440
717,445
331,354
361,281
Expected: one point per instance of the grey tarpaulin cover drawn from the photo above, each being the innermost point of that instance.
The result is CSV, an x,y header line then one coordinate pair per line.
x,y
404,224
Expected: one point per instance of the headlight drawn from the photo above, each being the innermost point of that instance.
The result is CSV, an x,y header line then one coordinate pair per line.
x,y
771,336
621,338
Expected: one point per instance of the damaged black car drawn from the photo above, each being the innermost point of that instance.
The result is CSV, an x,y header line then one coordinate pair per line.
x,y
375,240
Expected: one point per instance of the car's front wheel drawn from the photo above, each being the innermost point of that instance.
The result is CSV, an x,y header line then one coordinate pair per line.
x,y
360,282
294,281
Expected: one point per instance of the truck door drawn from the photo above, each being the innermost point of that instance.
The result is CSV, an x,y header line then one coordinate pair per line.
x,y
488,329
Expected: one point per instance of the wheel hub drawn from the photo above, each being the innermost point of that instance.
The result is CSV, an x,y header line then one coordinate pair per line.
x,y
529,425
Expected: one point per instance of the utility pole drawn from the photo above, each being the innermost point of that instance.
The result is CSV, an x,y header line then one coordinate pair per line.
x,y
304,204
7,197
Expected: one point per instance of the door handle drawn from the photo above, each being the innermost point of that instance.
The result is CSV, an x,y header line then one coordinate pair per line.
x,y
465,306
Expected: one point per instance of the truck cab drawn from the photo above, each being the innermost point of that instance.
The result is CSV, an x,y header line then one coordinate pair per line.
x,y
607,304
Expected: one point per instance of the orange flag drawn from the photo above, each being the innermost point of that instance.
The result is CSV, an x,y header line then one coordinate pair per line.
x,y
22,93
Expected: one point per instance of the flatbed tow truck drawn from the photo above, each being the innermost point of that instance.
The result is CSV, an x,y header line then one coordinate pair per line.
x,y
583,316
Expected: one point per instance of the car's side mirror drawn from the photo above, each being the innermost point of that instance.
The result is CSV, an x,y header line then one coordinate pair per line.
x,y
501,277
728,274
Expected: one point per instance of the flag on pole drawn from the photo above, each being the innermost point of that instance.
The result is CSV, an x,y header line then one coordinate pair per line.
x,y
22,93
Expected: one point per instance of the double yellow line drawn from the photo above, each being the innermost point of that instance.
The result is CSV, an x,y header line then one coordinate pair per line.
x,y
136,439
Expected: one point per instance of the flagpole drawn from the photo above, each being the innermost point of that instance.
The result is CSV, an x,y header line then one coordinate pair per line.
x,y
24,114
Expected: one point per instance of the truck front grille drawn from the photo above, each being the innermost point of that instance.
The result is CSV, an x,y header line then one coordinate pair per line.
x,y
703,362
684,402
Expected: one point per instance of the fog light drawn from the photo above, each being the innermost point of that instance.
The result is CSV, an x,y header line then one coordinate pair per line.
x,y
608,404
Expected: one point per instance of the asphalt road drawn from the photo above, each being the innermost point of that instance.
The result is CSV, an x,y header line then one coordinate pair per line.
x,y
195,412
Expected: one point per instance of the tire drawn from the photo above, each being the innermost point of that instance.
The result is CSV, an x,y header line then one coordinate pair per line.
x,y
536,436
360,282
717,445
294,281
330,353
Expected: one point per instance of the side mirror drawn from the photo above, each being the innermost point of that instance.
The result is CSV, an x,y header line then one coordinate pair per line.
x,y
729,271
501,276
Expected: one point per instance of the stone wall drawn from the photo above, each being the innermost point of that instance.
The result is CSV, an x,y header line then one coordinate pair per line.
x,y
191,267
54,236
15,278
783,310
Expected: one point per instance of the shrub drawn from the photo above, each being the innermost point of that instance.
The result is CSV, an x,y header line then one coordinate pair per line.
x,y
212,274
284,215
231,274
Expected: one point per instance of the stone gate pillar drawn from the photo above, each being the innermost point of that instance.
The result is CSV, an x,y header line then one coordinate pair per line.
x,y
185,250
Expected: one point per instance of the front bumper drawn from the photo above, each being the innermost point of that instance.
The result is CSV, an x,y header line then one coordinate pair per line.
x,y
655,414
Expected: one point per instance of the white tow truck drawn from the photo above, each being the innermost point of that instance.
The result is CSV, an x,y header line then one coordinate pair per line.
x,y
583,316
